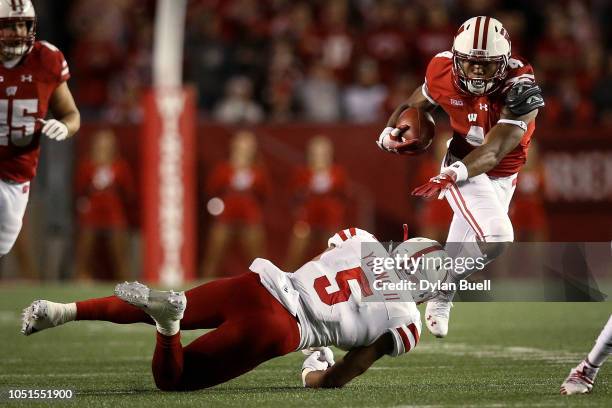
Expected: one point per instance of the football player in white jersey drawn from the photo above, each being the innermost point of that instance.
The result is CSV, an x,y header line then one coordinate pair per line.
x,y
330,300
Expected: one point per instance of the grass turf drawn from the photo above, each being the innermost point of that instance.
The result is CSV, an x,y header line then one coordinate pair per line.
x,y
497,354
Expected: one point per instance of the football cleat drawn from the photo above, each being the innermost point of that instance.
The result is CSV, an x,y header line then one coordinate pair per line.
x,y
580,379
40,315
165,307
437,314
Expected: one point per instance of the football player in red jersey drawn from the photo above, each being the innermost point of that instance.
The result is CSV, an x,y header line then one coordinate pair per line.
x,y
492,100
33,78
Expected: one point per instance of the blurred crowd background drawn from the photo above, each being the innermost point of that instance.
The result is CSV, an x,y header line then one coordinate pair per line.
x,y
286,90
324,60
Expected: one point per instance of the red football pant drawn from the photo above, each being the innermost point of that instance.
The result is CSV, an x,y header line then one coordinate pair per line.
x,y
251,328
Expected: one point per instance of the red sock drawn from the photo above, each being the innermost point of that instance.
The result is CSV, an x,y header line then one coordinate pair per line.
x,y
168,362
111,309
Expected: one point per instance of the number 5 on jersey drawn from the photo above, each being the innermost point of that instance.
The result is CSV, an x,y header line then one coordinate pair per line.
x,y
19,126
344,292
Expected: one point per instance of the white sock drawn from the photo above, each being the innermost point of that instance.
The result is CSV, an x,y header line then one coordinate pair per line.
x,y
60,313
168,328
603,346
464,250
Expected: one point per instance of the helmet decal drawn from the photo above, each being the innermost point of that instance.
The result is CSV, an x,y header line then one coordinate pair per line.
x,y
480,40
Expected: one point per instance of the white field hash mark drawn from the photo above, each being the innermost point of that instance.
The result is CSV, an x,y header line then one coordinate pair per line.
x,y
516,353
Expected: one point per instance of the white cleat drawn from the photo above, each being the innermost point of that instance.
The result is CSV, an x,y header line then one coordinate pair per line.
x,y
40,315
165,307
580,380
437,314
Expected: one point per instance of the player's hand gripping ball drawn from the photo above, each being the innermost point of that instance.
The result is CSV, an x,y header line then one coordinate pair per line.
x,y
412,135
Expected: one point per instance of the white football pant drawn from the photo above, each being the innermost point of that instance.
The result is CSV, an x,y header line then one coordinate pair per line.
x,y
13,203
480,205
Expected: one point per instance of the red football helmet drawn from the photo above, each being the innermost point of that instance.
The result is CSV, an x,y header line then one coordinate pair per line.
x,y
17,28
483,42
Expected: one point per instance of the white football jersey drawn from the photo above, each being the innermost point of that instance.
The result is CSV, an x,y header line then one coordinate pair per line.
x,y
329,296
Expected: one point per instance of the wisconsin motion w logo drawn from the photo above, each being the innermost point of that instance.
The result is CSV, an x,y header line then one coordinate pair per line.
x,y
18,6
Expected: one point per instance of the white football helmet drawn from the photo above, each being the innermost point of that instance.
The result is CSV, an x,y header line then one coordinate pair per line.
x,y
14,44
482,40
430,268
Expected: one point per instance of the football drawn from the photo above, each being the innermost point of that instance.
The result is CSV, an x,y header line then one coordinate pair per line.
x,y
417,125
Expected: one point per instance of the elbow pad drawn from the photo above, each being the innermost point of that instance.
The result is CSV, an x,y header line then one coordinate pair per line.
x,y
523,98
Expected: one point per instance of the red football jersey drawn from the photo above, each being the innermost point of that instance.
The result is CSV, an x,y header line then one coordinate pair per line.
x,y
471,116
25,91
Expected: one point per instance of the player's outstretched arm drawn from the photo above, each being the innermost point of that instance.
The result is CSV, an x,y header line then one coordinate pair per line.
x,y
67,119
353,364
501,140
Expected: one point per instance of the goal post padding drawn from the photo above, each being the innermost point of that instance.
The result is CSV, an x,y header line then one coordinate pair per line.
x,y
168,156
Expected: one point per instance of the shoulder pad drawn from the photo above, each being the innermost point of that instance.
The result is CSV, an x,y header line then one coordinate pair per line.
x,y
524,97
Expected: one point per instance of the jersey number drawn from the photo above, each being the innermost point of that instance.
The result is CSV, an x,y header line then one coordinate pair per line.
x,y
20,126
475,135
343,294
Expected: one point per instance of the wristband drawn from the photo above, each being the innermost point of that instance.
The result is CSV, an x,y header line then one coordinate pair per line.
x,y
460,170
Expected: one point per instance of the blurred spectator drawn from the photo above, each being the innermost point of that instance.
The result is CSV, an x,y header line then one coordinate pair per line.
x,y
209,55
527,210
238,105
320,188
557,52
283,74
602,94
384,40
236,189
104,189
437,35
337,39
364,100
319,95
400,92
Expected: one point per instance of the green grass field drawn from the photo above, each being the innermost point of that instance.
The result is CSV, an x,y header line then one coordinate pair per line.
x,y
497,354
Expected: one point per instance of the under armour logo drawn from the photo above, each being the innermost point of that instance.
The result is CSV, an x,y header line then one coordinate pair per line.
x,y
483,106
1,79
26,78
472,117
11,91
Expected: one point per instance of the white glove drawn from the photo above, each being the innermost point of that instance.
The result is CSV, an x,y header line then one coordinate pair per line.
x,y
54,129
319,360
384,139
